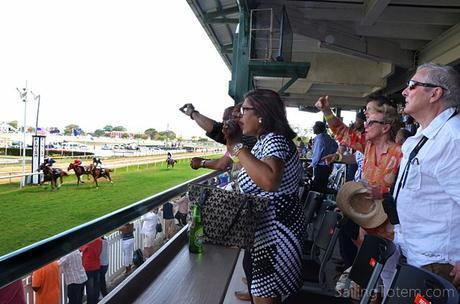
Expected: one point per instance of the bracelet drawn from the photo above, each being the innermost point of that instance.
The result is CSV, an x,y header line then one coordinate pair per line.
x,y
235,159
191,114
203,163
338,157
329,117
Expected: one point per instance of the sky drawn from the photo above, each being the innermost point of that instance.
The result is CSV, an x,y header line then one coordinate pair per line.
x,y
112,62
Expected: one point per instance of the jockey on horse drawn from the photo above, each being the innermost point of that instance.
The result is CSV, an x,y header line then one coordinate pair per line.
x,y
51,174
170,161
79,169
97,163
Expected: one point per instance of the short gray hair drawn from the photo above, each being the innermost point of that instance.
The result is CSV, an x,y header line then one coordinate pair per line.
x,y
446,77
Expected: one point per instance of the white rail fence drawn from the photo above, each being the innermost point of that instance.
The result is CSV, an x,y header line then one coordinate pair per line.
x,y
115,268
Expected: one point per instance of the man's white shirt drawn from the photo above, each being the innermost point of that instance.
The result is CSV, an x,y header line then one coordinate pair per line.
x,y
429,203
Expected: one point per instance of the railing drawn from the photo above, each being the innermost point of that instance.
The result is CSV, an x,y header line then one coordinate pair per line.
x,y
22,262
114,270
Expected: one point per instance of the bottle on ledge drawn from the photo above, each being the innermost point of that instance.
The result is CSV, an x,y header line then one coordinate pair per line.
x,y
195,237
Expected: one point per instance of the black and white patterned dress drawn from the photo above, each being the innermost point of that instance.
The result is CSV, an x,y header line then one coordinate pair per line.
x,y
276,254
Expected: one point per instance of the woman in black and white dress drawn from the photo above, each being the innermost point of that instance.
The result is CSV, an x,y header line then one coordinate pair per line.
x,y
271,169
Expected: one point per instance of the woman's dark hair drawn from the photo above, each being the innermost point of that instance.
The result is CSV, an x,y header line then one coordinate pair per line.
x,y
269,106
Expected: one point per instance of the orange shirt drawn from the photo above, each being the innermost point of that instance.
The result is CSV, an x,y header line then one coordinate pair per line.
x,y
377,172
47,280
380,172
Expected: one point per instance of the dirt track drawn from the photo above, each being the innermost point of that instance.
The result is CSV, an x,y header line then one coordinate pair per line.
x,y
113,162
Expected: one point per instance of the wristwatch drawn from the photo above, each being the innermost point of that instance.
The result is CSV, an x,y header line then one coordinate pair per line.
x,y
203,162
237,147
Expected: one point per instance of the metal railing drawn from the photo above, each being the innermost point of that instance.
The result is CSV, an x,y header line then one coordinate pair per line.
x,y
22,262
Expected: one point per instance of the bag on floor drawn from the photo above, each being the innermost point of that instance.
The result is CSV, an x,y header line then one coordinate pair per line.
x,y
159,227
138,257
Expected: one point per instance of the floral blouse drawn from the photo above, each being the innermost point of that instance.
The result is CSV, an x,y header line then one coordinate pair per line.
x,y
377,171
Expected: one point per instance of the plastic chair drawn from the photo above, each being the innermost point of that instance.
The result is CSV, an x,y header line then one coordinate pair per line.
x,y
417,285
322,249
369,262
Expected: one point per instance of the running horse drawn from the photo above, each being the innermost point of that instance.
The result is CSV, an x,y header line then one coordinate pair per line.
x,y
52,175
79,171
98,172
170,162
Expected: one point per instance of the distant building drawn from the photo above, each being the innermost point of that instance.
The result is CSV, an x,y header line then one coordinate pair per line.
x,y
6,128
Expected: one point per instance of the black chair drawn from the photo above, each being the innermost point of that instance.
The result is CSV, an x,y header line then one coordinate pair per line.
x,y
417,285
365,272
314,214
369,262
313,266
312,203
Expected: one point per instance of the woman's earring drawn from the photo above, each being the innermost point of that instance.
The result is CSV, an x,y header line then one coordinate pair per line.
x,y
260,120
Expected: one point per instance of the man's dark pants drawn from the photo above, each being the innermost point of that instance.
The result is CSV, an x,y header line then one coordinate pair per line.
x,y
321,178
92,287
75,293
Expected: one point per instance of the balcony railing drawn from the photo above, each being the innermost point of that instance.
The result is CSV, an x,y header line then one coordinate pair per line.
x,y
22,262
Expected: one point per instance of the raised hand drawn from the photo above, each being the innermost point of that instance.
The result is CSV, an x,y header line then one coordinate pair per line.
x,y
187,109
232,132
323,103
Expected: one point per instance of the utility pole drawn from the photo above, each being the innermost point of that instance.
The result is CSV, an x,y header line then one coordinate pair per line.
x,y
23,96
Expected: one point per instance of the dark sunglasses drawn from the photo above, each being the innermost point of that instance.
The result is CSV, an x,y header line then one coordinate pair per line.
x,y
371,122
412,84
244,109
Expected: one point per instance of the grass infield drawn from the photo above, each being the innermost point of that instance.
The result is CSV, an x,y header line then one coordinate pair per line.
x,y
35,213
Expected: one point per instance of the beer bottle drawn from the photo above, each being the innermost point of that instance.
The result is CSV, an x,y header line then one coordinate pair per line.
x,y
195,239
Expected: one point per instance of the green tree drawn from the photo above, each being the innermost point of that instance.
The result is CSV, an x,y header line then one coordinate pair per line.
x,y
125,135
203,139
119,128
167,134
108,128
151,132
14,124
69,128
99,133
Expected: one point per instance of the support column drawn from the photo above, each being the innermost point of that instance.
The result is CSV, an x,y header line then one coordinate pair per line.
x,y
241,78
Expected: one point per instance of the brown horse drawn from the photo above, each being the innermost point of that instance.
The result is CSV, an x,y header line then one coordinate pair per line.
x,y
97,172
170,162
79,171
52,175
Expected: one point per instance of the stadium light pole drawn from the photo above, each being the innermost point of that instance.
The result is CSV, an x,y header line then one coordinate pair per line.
x,y
36,97
23,96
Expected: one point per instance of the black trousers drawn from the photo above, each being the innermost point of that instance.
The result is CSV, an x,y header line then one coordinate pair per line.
x,y
321,178
75,293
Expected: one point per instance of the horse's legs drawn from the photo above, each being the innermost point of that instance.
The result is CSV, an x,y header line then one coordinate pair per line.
x,y
95,176
107,175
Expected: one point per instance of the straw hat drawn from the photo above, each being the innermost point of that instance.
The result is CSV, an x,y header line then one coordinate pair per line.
x,y
352,200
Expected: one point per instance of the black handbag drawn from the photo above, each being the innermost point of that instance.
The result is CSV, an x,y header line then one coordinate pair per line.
x,y
159,227
229,218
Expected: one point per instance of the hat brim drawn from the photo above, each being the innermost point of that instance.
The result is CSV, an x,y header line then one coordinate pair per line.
x,y
372,219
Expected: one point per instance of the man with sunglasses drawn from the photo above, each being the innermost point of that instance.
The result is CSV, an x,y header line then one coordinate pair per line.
x,y
427,190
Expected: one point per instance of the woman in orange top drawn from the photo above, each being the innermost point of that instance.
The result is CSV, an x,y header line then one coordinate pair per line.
x,y
381,154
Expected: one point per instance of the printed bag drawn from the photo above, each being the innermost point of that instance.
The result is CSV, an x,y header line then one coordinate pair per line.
x,y
229,218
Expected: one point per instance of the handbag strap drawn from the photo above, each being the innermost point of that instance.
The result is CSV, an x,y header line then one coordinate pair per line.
x,y
237,216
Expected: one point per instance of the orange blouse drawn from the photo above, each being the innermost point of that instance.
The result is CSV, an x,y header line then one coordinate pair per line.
x,y
377,171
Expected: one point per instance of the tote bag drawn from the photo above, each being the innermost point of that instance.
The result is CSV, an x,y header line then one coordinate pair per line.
x,y
229,218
